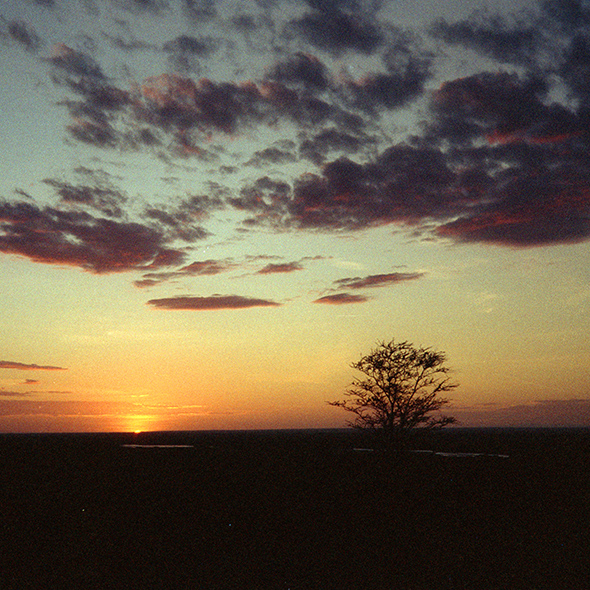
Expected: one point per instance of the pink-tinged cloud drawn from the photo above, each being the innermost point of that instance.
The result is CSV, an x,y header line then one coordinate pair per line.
x,y
74,62
521,228
380,280
280,268
28,367
211,303
198,268
76,238
207,267
341,299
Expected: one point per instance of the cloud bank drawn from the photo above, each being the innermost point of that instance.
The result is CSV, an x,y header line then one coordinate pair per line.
x,y
316,96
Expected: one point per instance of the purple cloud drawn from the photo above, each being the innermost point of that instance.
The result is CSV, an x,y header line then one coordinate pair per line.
x,y
28,367
280,268
98,245
380,280
73,62
25,35
197,268
335,31
341,299
301,69
108,201
214,302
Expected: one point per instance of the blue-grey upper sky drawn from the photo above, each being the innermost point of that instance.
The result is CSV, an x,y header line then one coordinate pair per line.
x,y
318,115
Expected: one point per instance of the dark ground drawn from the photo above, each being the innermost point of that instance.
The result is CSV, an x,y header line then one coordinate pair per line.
x,y
295,509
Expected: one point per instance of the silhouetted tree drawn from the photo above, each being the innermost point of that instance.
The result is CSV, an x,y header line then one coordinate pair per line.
x,y
400,391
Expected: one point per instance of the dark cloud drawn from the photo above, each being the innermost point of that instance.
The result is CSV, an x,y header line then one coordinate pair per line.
x,y
197,268
341,299
531,209
527,184
380,280
407,66
245,23
93,115
556,42
98,133
265,198
575,68
127,42
73,62
28,366
497,160
31,382
185,51
98,97
208,267
170,101
176,111
187,44
211,303
214,267
200,10
106,200
336,31
392,90
301,69
284,267
496,106
402,185
25,35
304,108
271,155
178,224
74,238
516,174
152,282
514,193
4,393
319,147
492,36
183,220
568,14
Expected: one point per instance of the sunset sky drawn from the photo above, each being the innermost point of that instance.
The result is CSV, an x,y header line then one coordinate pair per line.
x,y
209,209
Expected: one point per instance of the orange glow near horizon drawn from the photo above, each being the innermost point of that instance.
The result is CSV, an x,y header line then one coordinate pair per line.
x,y
138,423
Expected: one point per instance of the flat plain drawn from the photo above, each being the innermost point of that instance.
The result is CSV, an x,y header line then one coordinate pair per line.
x,y
298,510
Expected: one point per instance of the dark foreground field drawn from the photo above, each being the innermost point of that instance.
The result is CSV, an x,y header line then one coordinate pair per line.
x,y
298,510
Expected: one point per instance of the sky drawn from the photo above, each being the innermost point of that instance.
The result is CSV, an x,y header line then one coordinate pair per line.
x,y
210,209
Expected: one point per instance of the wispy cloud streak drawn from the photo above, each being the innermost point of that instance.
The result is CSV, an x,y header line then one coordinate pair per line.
x,y
28,367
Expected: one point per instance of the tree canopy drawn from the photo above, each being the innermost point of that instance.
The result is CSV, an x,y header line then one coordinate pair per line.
x,y
401,390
